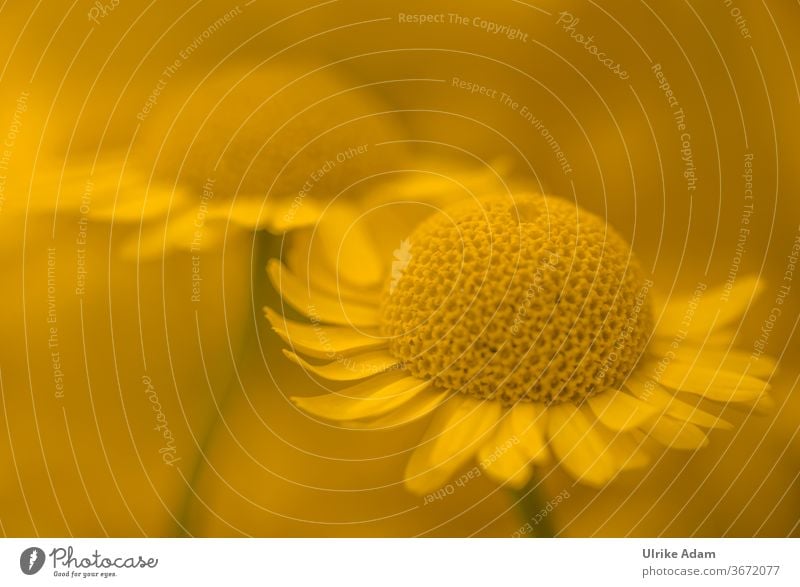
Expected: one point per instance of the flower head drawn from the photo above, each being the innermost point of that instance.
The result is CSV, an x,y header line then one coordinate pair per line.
x,y
524,325
518,300
241,148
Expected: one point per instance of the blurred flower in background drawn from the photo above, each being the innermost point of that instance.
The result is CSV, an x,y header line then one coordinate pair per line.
x,y
154,156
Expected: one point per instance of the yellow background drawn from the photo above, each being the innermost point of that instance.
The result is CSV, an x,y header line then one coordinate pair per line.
x,y
88,464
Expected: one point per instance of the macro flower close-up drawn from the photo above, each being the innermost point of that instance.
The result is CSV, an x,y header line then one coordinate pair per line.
x,y
523,324
345,269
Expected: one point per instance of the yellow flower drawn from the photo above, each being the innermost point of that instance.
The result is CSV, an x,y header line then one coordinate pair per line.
x,y
215,153
523,324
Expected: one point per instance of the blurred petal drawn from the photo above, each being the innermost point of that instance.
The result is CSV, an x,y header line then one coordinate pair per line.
x,y
714,384
582,451
619,411
678,435
715,309
503,459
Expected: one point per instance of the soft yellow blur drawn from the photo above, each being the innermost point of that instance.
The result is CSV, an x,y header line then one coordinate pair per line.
x,y
138,399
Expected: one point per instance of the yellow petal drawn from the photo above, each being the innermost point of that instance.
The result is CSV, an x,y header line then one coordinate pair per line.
x,y
575,441
150,244
679,435
322,340
735,304
137,202
417,407
528,421
371,398
444,188
661,399
764,404
502,458
104,191
318,306
349,247
245,212
285,213
714,309
762,367
349,368
625,450
711,356
714,384
180,234
185,231
458,428
309,263
620,411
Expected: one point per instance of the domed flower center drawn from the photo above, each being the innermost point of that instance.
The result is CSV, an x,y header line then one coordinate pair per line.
x,y
528,299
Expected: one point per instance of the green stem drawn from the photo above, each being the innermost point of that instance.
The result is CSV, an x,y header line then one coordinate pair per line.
x,y
532,507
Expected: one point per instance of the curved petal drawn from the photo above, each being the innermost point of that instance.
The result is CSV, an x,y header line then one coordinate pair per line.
x,y
453,436
655,395
318,305
714,384
322,340
371,398
349,368
417,407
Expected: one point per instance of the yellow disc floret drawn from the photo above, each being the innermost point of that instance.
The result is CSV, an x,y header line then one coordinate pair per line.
x,y
528,298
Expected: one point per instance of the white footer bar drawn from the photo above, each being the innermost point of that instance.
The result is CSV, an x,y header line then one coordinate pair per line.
x,y
400,562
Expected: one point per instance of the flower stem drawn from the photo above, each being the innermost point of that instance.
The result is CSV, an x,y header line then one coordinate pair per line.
x,y
532,507
262,250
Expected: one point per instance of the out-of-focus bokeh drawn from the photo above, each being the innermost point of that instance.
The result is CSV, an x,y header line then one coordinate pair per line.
x,y
143,392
